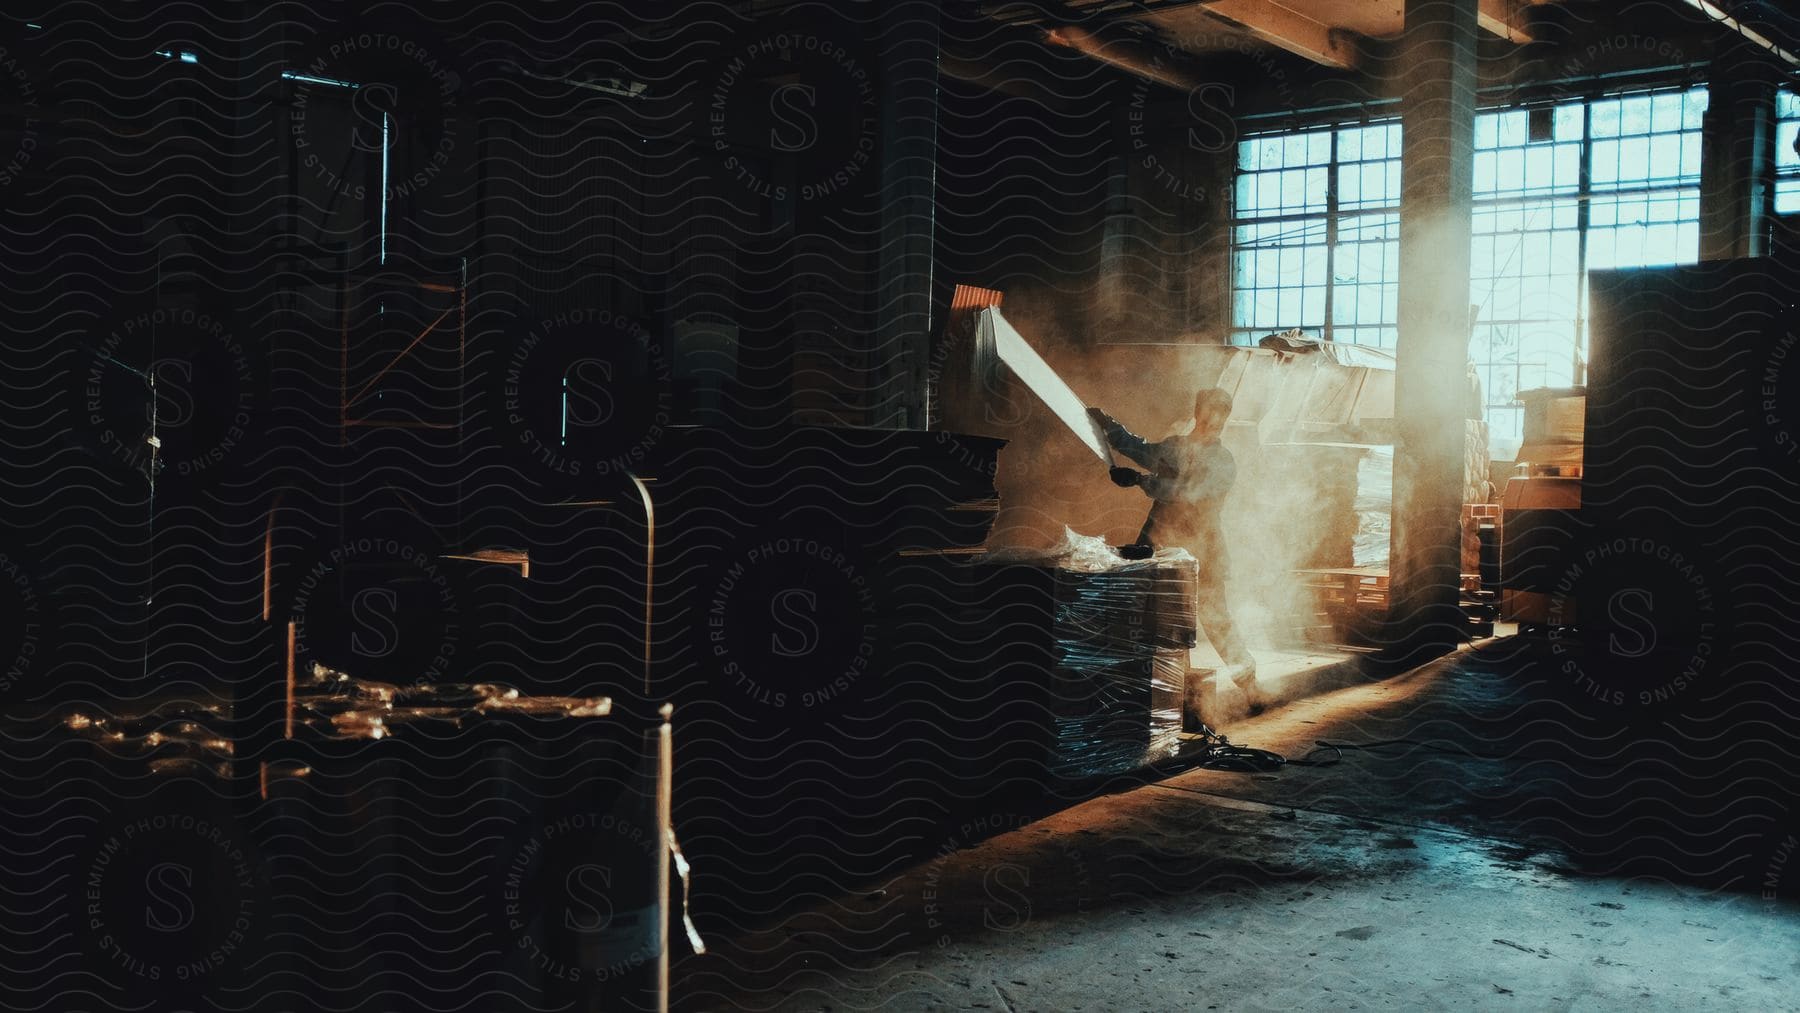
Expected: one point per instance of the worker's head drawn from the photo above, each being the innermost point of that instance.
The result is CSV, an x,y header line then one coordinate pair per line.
x,y
1212,409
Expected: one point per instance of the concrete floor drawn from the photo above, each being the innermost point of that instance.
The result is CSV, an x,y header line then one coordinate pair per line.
x,y
1403,877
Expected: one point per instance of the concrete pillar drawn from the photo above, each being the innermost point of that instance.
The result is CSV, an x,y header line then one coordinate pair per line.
x,y
1736,153
908,42
1437,90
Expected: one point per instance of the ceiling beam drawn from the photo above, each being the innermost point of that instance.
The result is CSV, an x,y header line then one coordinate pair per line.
x,y
1505,18
1719,15
1291,30
1128,55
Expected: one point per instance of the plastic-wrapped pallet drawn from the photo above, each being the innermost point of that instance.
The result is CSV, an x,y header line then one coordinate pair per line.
x,y
1149,602
1121,631
1117,708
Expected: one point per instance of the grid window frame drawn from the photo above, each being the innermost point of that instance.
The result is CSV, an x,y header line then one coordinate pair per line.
x,y
1630,198
1349,209
1604,180
1786,199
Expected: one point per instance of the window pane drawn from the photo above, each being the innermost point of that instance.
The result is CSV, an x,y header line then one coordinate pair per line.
x,y
1665,112
1606,118
1569,121
1787,160
1694,109
1642,153
1787,196
1487,127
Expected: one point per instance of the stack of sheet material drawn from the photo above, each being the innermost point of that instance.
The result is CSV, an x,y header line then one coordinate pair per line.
x,y
1062,671
998,344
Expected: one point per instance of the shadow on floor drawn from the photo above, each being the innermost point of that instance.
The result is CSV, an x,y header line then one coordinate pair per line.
x,y
1494,771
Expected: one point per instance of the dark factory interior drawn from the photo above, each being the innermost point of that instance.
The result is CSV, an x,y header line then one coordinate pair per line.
x,y
900,504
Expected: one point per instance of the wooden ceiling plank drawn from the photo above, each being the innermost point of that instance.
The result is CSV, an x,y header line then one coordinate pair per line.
x,y
1293,31
1722,16
1505,18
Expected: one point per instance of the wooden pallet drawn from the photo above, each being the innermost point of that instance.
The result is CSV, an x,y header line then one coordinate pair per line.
x,y
1352,601
1349,588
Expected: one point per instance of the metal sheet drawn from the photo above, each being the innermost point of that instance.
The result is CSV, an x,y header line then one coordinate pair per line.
x,y
1007,345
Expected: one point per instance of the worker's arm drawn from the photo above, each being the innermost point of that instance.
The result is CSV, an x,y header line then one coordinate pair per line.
x,y
1155,486
1150,455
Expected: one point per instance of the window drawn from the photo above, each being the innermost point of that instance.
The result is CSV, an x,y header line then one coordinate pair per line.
x,y
1316,234
1787,160
1610,182
1600,183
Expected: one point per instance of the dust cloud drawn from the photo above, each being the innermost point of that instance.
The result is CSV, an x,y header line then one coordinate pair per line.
x,y
1294,505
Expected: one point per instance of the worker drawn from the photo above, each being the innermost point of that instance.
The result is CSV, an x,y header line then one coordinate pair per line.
x,y
1188,479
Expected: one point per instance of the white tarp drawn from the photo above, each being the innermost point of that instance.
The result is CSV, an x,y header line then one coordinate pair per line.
x,y
998,340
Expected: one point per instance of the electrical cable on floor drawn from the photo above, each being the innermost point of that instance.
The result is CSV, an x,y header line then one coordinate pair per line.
x,y
1221,753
